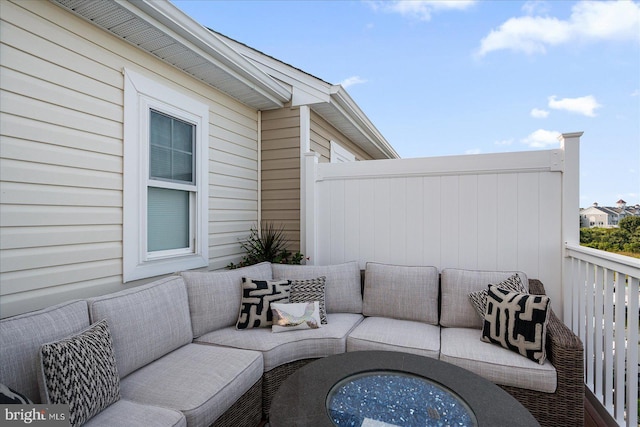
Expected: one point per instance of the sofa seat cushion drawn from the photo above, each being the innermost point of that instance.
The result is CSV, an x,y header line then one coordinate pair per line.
x,y
219,289
456,309
401,292
21,337
343,291
463,347
278,349
132,414
380,333
146,322
201,381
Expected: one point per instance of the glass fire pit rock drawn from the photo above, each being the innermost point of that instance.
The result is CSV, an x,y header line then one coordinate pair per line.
x,y
387,398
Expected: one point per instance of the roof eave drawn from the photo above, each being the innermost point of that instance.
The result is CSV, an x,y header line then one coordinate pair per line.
x,y
341,99
216,63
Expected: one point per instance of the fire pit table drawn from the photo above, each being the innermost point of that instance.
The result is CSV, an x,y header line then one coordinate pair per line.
x,y
381,388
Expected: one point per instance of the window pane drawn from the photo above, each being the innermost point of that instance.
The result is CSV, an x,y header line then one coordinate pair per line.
x,y
168,219
171,148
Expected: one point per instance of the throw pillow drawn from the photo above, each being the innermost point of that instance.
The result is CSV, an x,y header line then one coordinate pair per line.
x,y
479,298
257,295
9,396
290,317
81,371
310,290
517,322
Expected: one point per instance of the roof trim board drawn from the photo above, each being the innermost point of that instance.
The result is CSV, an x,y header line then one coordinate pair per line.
x,y
164,31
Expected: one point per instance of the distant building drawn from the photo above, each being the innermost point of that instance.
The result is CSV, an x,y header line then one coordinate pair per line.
x,y
607,216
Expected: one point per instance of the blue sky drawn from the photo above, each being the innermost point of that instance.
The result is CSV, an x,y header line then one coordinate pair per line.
x,y
458,77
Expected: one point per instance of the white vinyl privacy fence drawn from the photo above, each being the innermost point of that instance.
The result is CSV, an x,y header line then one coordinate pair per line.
x,y
490,211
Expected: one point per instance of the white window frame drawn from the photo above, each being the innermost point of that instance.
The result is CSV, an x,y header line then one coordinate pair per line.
x,y
339,154
140,95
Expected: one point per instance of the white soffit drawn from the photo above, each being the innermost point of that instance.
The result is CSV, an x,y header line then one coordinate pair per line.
x,y
160,28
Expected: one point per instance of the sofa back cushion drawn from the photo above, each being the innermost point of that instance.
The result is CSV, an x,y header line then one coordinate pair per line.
x,y
21,337
401,292
456,310
343,293
146,322
215,296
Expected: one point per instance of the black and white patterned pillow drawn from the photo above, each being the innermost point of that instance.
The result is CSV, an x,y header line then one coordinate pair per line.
x,y
479,298
517,322
81,371
308,291
257,295
9,396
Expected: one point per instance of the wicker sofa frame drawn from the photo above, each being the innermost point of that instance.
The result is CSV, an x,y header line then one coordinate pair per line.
x,y
564,350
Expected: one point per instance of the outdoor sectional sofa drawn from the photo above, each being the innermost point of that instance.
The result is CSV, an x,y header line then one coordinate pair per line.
x,y
180,360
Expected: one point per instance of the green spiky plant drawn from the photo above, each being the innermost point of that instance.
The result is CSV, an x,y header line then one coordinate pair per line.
x,y
267,244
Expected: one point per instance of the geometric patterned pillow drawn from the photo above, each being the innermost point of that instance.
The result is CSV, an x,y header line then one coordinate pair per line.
x,y
81,371
309,290
479,298
9,396
255,310
517,322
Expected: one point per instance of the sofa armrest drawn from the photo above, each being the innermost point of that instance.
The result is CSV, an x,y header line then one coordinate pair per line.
x,y
559,336
564,350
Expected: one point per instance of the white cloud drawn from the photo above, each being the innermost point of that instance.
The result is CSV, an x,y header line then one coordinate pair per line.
x,y
585,105
473,151
542,138
420,9
535,6
537,113
353,80
589,20
635,92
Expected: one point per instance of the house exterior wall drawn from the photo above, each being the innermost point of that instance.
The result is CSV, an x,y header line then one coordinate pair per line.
x,y
62,157
281,171
281,165
322,133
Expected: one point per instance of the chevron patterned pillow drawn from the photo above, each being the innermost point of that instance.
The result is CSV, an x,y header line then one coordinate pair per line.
x,y
257,295
479,298
310,290
81,371
517,322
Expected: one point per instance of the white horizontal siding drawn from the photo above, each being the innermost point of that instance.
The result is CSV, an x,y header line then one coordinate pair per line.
x,y
61,130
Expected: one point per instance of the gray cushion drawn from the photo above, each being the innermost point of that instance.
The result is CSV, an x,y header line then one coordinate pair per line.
x,y
21,337
214,296
463,347
401,292
456,310
132,414
279,349
80,371
342,286
146,322
201,381
379,333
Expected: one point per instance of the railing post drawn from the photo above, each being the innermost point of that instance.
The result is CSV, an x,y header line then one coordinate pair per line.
x,y
308,207
570,144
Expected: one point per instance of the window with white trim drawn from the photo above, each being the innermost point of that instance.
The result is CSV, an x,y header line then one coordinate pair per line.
x,y
165,223
339,154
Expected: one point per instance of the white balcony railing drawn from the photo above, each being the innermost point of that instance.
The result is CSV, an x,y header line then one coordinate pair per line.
x,y
601,299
